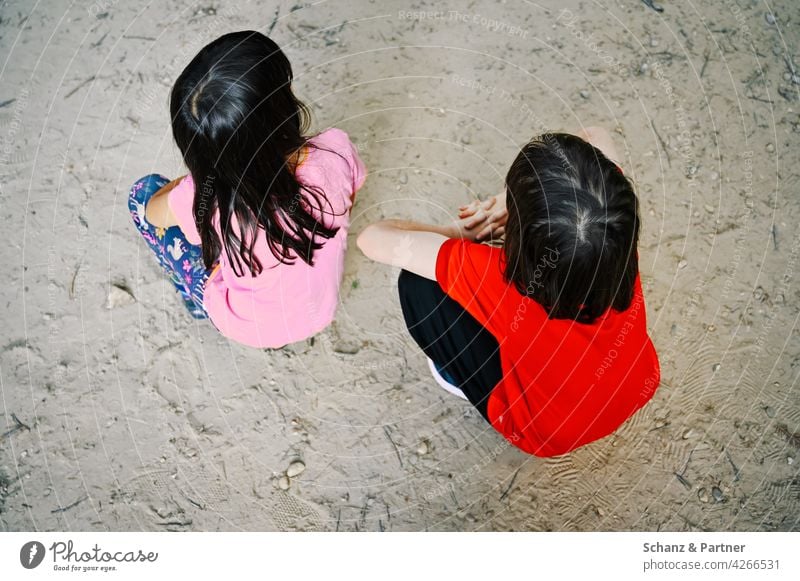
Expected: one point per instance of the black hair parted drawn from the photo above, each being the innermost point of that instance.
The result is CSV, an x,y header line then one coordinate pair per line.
x,y
239,126
573,228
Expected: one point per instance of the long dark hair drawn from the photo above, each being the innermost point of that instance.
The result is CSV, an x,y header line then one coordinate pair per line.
x,y
237,123
573,228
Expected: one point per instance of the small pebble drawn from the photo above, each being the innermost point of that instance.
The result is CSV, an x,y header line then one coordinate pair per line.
x,y
585,94
688,434
466,139
789,460
682,264
660,423
403,177
714,176
770,148
161,511
715,367
599,511
284,483
769,411
295,469
118,297
423,448
347,347
702,495
717,494
644,68
709,208
653,42
770,18
712,328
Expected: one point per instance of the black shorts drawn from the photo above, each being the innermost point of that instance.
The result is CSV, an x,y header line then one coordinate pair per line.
x,y
457,344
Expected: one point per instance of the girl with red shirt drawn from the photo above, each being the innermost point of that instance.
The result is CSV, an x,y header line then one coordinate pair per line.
x,y
545,335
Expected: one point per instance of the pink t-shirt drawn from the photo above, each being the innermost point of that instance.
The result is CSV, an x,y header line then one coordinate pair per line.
x,y
284,303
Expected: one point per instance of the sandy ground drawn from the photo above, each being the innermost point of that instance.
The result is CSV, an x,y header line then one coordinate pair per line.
x,y
138,418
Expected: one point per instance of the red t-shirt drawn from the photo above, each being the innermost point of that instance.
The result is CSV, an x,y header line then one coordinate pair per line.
x,y
564,383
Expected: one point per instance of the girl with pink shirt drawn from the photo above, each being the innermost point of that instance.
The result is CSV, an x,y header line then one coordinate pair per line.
x,y
254,236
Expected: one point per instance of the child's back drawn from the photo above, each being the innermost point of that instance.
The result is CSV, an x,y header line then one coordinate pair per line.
x,y
563,383
285,302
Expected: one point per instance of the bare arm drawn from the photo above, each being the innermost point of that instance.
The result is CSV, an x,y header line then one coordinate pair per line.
x,y
405,244
157,211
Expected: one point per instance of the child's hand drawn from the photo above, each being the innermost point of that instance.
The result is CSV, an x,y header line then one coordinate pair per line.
x,y
484,219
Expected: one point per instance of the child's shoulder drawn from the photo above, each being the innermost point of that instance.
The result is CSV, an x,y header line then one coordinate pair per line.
x,y
333,138
482,258
333,149
482,249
